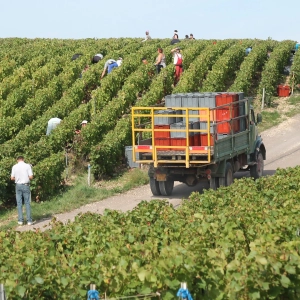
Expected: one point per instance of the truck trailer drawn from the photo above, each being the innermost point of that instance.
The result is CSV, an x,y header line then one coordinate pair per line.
x,y
196,137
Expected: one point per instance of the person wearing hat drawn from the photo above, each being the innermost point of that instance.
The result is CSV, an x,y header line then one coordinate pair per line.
x,y
148,37
119,61
178,59
175,35
109,65
83,124
97,58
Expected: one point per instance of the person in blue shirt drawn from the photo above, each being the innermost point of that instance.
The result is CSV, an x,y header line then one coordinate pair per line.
x,y
248,50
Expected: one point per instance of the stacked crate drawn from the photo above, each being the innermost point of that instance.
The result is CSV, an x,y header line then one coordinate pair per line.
x,y
224,107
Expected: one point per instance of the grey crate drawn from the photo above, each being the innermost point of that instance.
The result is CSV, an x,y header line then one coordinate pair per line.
x,y
221,136
195,125
179,117
164,120
243,123
174,100
189,100
128,156
180,126
191,119
241,95
203,125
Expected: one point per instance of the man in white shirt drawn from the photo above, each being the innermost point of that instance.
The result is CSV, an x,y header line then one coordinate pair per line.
x,y
148,37
109,65
21,173
52,124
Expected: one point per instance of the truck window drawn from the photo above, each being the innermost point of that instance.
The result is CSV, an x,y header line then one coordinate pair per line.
x,y
252,117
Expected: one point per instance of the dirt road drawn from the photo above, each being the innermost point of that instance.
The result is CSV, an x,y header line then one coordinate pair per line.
x,y
283,150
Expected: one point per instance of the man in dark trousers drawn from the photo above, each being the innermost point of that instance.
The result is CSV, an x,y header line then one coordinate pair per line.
x,y
21,173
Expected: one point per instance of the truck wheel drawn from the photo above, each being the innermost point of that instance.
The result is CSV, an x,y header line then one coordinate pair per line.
x,y
228,179
166,187
154,186
257,170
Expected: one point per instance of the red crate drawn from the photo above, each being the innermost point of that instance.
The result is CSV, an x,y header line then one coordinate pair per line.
x,y
197,140
225,114
283,90
162,142
223,99
204,140
161,134
181,142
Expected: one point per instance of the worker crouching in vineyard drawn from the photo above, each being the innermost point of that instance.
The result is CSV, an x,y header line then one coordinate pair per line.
x,y
109,65
178,59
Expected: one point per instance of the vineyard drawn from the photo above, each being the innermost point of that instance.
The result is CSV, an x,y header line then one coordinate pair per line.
x,y
39,81
224,244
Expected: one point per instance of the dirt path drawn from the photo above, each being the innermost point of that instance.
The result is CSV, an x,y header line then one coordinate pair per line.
x,y
283,150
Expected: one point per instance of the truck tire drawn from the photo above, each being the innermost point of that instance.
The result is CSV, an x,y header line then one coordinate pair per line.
x,y
154,186
257,170
166,187
228,179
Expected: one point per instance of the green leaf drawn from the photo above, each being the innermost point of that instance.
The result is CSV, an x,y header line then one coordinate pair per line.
x,y
198,216
285,281
142,275
21,291
29,261
261,260
290,269
64,281
39,280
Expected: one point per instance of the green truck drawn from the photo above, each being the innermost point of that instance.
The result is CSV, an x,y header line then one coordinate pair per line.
x,y
198,143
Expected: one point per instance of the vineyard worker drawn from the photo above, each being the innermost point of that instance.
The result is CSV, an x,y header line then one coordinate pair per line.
x,y
75,56
248,50
175,35
97,58
192,37
119,61
178,59
144,60
186,37
52,124
148,37
160,60
83,124
21,173
110,64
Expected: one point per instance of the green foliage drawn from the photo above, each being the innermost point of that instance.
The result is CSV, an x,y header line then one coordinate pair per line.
x,y
251,65
223,71
224,244
296,68
198,69
273,69
39,81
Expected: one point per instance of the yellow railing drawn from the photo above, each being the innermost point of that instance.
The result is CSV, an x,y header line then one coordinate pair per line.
x,y
143,126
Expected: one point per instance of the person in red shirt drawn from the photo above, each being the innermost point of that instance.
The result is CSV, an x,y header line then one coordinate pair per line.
x,y
178,59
